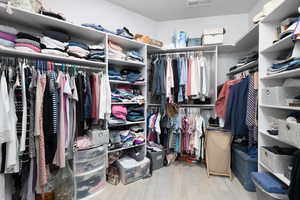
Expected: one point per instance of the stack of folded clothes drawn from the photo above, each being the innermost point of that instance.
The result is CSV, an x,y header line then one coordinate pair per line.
x,y
54,42
135,113
124,32
126,138
253,56
119,111
7,36
114,74
131,75
286,62
78,49
127,95
139,135
97,27
116,51
56,15
28,42
97,53
134,56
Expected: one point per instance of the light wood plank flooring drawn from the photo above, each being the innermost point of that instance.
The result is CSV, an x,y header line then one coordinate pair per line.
x,y
180,181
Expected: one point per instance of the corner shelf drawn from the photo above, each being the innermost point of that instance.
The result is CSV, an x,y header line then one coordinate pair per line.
x,y
283,75
279,107
281,45
243,68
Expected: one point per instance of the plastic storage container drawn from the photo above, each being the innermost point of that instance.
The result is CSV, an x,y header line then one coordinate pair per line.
x,y
213,36
90,154
82,166
89,183
268,187
99,137
289,132
279,95
157,159
131,170
278,163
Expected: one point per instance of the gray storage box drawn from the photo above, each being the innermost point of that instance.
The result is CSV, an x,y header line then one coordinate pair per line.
x,y
157,159
264,195
276,162
99,137
131,170
279,95
289,132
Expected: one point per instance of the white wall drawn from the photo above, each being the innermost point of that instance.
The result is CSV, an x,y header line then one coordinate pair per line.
x,y
235,25
104,13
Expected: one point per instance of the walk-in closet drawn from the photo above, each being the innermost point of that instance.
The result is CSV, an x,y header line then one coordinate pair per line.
x,y
136,99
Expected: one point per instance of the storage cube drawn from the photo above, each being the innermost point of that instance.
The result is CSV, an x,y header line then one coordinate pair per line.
x,y
131,170
289,132
157,159
81,166
278,163
86,155
99,137
89,183
213,36
279,95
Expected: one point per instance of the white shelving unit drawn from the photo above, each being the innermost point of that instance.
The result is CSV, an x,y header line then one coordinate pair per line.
x,y
119,64
268,51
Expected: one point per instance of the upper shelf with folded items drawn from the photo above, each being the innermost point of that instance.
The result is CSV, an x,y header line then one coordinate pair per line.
x,y
41,22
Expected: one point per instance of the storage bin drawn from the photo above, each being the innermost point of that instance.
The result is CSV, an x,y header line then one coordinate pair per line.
x,y
131,170
82,166
90,183
276,162
156,158
99,137
213,36
268,187
289,132
90,154
279,95
192,42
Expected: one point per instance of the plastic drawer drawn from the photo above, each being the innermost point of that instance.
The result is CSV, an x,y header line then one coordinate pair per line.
x,y
90,154
89,183
85,166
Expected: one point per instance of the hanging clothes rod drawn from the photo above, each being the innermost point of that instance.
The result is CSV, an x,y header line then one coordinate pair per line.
x,y
204,106
7,60
182,53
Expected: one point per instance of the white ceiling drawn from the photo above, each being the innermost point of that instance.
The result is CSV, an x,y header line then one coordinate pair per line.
x,y
163,10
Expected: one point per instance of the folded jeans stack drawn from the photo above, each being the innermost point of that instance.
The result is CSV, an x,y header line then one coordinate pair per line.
x,y
28,42
131,75
127,95
135,113
54,43
253,56
114,74
78,49
134,56
97,27
97,53
124,32
7,36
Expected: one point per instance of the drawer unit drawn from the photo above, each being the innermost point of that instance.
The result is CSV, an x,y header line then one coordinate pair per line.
x,y
278,163
289,132
89,165
279,95
89,183
90,154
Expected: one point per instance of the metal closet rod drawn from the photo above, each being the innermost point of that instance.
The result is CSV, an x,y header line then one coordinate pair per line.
x,y
203,107
4,59
185,52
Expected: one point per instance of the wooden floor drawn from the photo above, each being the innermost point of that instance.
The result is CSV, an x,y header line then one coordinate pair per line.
x,y
181,181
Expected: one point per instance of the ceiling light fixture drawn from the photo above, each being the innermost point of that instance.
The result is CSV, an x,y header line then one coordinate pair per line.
x,y
198,3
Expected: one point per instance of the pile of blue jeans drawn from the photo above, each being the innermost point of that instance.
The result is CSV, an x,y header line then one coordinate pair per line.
x,y
284,65
134,56
135,113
